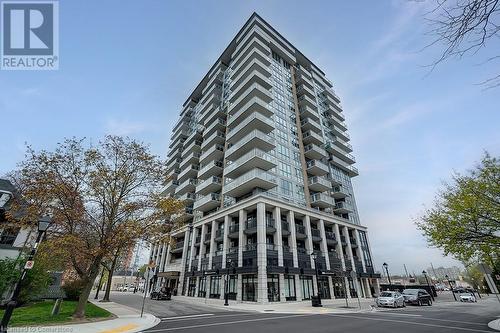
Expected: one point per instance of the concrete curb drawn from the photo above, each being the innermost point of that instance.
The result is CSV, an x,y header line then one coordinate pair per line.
x,y
494,324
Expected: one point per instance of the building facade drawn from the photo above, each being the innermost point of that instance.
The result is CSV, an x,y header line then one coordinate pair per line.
x,y
262,158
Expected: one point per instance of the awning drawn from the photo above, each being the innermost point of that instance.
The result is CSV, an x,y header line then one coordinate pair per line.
x,y
169,274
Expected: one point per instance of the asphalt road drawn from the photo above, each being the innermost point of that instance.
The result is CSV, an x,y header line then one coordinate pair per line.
x,y
445,317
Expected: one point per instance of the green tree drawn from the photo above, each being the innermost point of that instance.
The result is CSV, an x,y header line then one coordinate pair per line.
x,y
465,218
100,197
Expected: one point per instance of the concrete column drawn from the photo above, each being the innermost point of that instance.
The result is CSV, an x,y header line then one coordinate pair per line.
x,y
212,244
324,246
347,288
330,286
192,255
261,254
309,243
225,242
183,261
242,238
351,257
222,285
168,256
239,288
338,248
377,287
368,292
298,287
315,286
202,244
282,287
293,236
197,286
278,235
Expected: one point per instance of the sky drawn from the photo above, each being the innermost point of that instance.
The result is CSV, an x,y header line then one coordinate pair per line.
x,y
126,67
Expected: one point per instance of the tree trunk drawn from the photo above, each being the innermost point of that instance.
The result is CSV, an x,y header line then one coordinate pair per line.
x,y
99,284
88,283
110,278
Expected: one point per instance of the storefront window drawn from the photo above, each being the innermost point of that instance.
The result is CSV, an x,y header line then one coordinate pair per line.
x,y
307,286
202,288
192,286
214,287
232,287
249,286
324,287
273,288
290,294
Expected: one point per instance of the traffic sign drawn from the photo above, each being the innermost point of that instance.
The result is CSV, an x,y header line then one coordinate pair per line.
x,y
497,277
29,264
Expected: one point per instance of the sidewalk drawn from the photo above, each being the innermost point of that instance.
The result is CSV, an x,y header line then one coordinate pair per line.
x,y
494,325
128,320
329,305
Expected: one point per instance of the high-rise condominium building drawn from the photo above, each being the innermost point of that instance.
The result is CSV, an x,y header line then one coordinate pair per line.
x,y
261,156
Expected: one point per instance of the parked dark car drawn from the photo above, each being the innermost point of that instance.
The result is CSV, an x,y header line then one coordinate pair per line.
x,y
417,297
162,294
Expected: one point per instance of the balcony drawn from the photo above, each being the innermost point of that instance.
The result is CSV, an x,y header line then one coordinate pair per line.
x,y
315,235
345,146
212,184
234,231
189,185
319,184
343,240
255,121
330,238
309,112
207,202
300,232
213,153
243,83
253,105
302,78
191,171
217,137
178,137
252,67
322,200
251,247
173,164
312,137
244,184
178,247
213,117
207,240
170,187
251,226
194,146
314,152
308,124
218,125
354,244
193,158
285,228
219,235
303,89
254,139
255,158
243,59
255,90
342,207
213,168
335,130
338,192
189,197
353,171
305,100
316,168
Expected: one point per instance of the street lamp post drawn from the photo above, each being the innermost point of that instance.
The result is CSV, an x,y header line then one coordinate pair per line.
x,y
43,224
315,257
388,276
451,287
226,285
428,285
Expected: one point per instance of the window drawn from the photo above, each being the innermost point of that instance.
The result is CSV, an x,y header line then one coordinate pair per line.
x,y
283,152
285,170
290,294
215,287
286,187
249,287
8,236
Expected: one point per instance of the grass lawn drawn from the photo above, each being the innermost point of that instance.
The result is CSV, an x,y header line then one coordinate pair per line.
x,y
39,313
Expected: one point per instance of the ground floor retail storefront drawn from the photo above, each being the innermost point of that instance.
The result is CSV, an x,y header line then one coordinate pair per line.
x,y
278,287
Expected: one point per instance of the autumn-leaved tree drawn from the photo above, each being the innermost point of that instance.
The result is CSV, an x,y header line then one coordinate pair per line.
x,y
465,219
100,197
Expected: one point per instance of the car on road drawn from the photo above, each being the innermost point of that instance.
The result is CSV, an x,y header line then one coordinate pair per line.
x,y
468,297
390,298
417,297
162,294
124,288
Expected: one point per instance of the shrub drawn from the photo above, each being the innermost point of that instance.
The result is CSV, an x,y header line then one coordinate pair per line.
x,y
73,289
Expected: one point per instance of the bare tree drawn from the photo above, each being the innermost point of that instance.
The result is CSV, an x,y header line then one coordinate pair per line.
x,y
464,27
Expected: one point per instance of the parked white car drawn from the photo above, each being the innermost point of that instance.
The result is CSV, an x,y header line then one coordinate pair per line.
x,y
391,298
468,297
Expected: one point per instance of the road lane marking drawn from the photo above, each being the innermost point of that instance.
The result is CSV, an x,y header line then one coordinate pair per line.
x,y
395,314
428,318
167,319
227,323
189,316
412,323
120,329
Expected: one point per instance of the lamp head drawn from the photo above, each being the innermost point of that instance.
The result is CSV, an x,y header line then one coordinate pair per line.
x,y
43,223
385,265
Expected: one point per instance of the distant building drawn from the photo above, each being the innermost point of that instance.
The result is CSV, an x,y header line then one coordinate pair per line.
x,y
12,238
439,273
